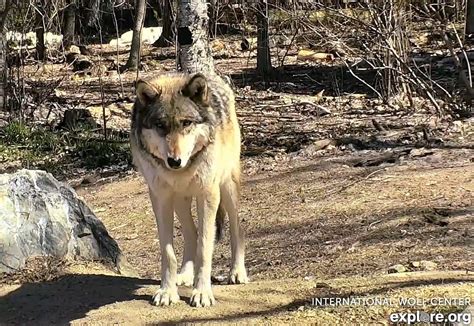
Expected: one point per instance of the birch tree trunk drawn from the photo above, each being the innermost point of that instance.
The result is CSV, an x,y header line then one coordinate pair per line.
x,y
4,6
194,53
140,9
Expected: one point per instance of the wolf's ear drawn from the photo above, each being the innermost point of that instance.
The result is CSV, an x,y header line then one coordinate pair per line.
x,y
146,92
196,89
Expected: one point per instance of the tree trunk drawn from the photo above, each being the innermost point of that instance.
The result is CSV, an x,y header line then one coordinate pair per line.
x,y
469,32
69,23
194,53
4,6
264,63
40,47
167,35
213,18
92,13
140,7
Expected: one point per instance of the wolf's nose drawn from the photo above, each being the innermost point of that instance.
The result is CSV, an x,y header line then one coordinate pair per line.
x,y
174,163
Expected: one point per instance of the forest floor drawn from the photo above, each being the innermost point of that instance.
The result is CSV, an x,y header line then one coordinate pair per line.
x,y
332,198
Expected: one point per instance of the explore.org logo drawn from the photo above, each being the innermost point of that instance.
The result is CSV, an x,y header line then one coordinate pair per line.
x,y
463,318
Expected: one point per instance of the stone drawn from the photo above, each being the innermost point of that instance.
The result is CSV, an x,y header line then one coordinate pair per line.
x,y
39,216
415,264
398,268
81,63
52,41
74,49
149,36
424,265
427,265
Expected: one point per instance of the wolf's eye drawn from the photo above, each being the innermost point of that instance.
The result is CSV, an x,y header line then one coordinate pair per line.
x,y
186,123
159,125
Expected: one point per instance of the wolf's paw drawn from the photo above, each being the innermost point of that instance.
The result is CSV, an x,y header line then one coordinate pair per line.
x,y
202,297
185,278
238,276
165,297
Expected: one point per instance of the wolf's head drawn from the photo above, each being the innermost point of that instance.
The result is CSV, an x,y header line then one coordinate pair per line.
x,y
176,120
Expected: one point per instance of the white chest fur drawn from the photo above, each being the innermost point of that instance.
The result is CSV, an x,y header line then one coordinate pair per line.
x,y
188,182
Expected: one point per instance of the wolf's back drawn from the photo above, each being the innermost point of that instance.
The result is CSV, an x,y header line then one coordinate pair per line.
x,y
222,96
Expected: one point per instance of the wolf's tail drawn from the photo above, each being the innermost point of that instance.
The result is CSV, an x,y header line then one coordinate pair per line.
x,y
220,216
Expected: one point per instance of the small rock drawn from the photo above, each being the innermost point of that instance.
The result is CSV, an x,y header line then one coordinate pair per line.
x,y
84,51
424,265
398,268
415,264
323,143
322,285
74,49
218,279
420,152
428,265
74,117
81,63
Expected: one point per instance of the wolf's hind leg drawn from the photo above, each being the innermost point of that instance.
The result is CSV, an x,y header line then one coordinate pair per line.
x,y
182,208
230,199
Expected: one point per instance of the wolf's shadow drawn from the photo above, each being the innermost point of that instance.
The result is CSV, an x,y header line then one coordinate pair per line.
x,y
67,298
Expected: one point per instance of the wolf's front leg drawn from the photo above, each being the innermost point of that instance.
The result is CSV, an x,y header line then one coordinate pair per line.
x,y
207,205
183,210
162,203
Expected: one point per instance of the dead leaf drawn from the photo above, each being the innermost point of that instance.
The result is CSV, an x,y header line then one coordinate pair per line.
x,y
309,55
323,143
318,97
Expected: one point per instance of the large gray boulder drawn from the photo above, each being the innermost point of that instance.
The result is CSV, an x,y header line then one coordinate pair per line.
x,y
39,216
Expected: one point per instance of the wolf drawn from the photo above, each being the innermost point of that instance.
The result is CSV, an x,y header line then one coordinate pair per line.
x,y
185,141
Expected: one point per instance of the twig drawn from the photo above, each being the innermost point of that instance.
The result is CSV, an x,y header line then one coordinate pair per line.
x,y
467,81
353,183
360,79
422,84
448,42
118,53
140,48
289,46
104,120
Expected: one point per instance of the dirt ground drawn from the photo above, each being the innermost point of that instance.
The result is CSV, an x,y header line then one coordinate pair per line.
x,y
321,221
315,228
